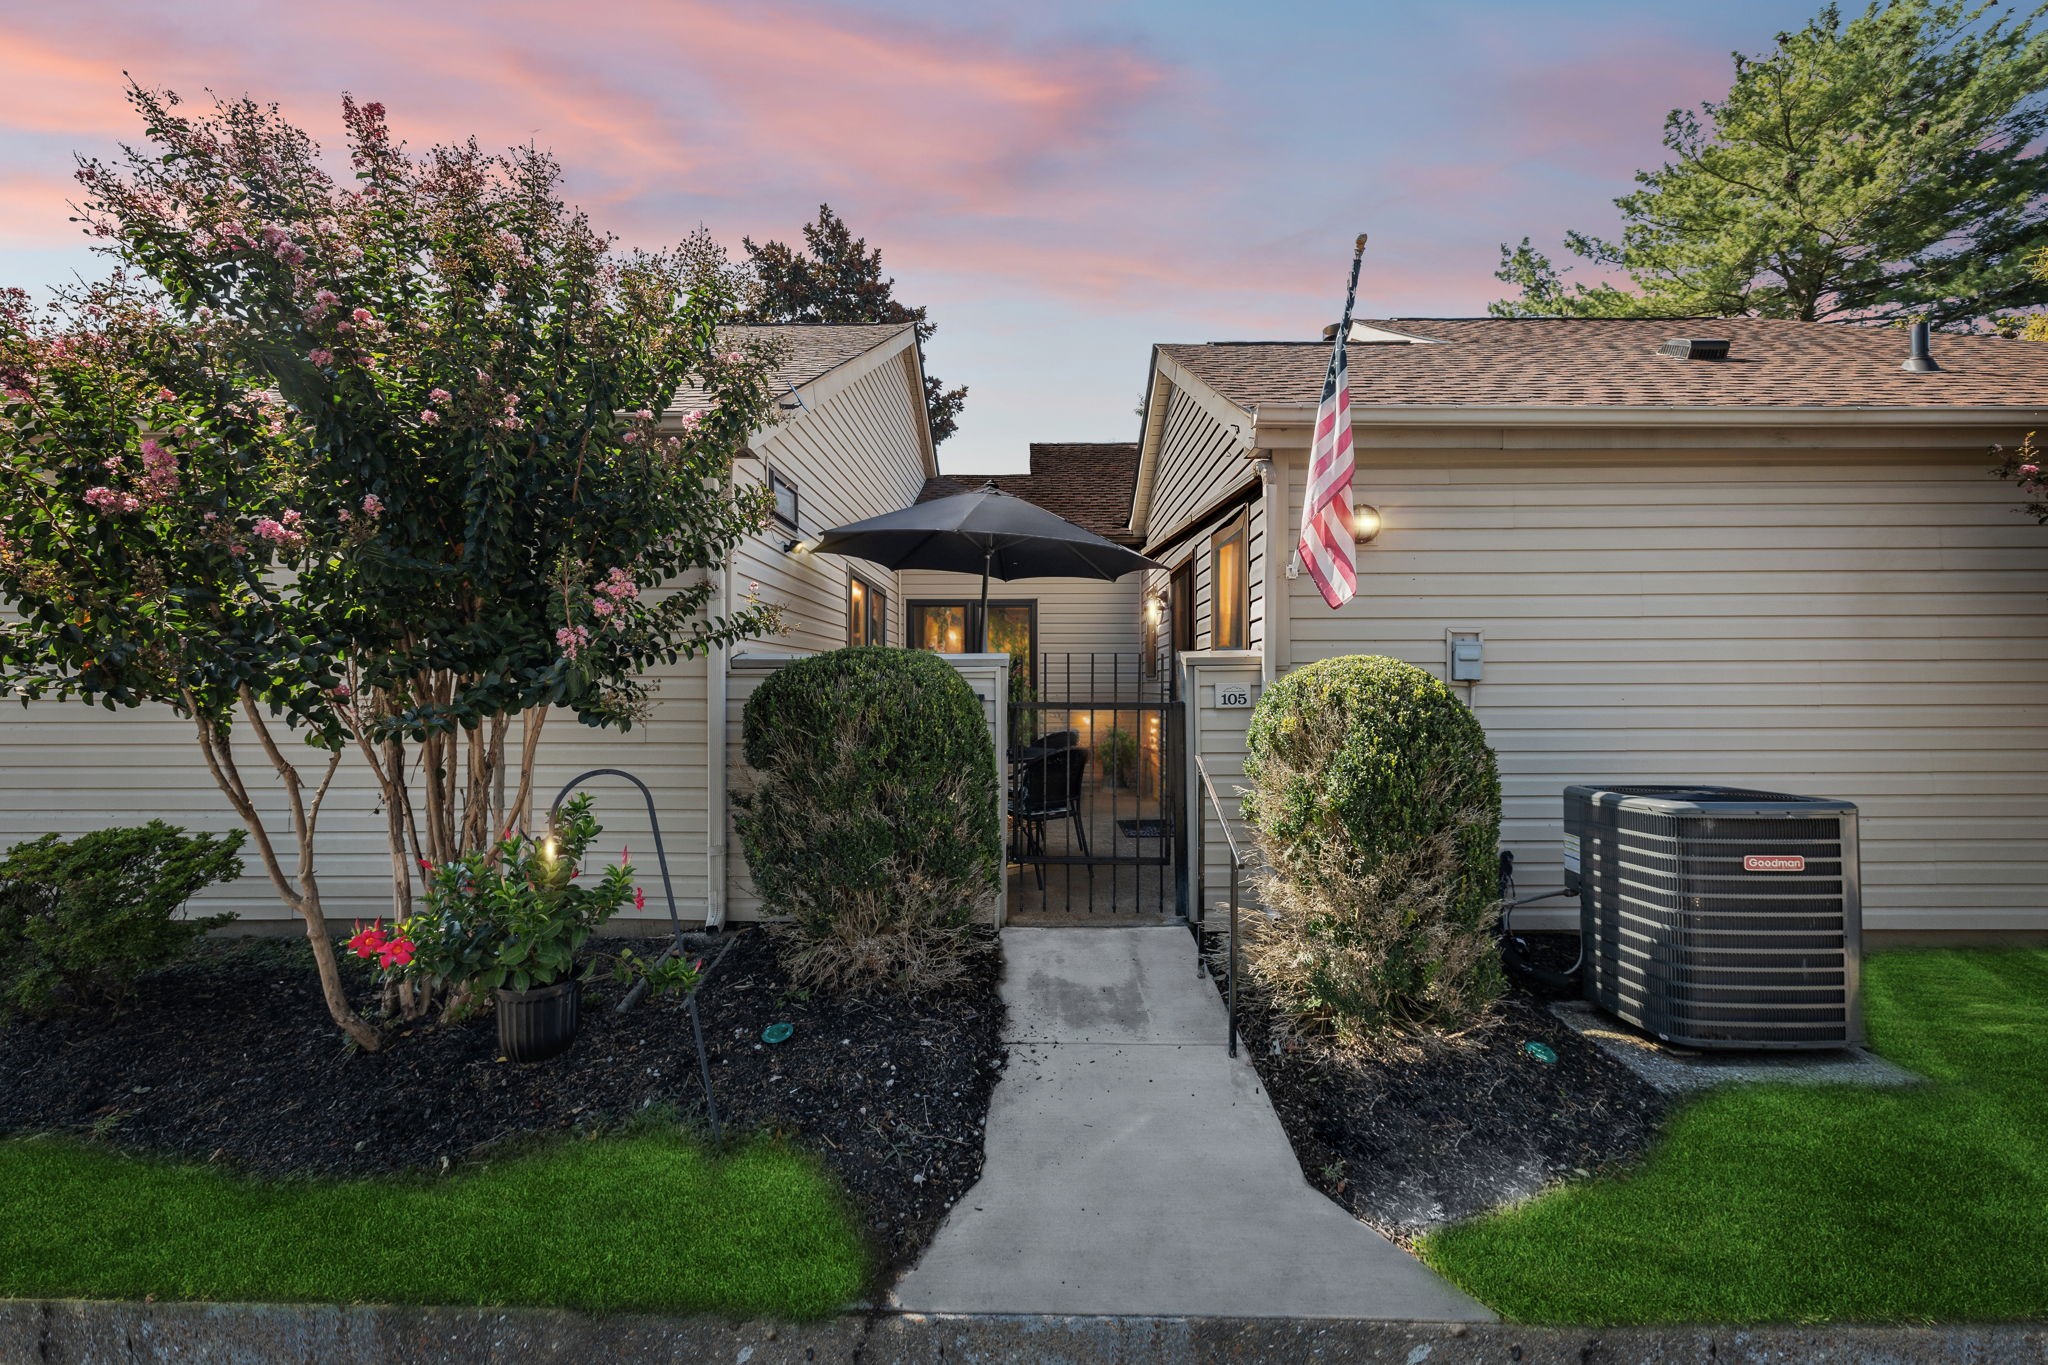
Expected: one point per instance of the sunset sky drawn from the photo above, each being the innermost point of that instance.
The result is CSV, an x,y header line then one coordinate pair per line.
x,y
1062,183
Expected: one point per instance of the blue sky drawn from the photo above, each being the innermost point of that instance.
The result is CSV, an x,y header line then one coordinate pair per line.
x,y
1063,184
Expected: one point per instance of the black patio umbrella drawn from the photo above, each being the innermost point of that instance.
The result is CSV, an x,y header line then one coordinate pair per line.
x,y
989,532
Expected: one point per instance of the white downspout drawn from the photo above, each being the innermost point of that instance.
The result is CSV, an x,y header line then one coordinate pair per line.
x,y
1273,583
716,819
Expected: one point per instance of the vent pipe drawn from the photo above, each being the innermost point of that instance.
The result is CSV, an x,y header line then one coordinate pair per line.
x,y
1921,361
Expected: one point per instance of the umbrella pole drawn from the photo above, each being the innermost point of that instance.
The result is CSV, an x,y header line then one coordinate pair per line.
x,y
987,562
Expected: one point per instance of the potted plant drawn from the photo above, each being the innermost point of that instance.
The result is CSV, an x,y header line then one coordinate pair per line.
x,y
509,921
1119,757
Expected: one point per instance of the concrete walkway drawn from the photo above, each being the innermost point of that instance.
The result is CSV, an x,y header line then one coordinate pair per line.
x,y
1133,1167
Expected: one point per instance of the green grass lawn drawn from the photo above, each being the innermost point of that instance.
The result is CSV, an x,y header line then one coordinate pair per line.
x,y
643,1221
1772,1203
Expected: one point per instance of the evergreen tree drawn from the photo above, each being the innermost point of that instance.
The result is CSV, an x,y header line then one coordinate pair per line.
x,y
1879,169
837,278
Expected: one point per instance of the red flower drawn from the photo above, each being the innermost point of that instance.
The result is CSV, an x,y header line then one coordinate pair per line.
x,y
368,942
395,952
639,899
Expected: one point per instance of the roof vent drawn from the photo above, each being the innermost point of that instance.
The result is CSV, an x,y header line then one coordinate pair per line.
x,y
1921,361
1695,348
1365,334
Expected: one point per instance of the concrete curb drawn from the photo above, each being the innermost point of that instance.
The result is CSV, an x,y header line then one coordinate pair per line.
x,y
70,1332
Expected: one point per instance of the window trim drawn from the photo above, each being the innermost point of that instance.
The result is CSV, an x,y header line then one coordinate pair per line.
x,y
1235,532
1180,607
972,606
777,480
874,611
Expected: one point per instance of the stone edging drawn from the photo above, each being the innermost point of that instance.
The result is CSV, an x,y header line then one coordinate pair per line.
x,y
70,1332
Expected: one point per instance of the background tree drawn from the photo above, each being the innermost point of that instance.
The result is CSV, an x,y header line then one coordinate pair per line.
x,y
838,279
460,446
1880,169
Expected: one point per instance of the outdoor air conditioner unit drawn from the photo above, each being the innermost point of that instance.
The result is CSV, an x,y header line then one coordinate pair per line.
x,y
1713,917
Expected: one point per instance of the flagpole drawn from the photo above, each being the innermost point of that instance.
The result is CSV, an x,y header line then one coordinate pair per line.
x,y
1343,338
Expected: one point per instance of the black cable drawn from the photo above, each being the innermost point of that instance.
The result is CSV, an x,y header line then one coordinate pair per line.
x,y
1513,951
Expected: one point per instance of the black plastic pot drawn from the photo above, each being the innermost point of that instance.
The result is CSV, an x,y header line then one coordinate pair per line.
x,y
538,1024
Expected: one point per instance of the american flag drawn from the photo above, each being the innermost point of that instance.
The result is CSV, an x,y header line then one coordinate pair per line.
x,y
1327,548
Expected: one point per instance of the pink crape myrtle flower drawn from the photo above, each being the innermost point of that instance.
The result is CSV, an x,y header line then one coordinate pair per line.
x,y
645,415
429,417
373,506
283,533
159,471
321,356
111,502
571,640
441,396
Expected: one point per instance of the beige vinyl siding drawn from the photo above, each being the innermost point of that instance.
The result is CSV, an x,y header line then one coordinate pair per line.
x,y
1216,735
666,751
67,768
854,455
1200,460
1868,626
71,768
1197,548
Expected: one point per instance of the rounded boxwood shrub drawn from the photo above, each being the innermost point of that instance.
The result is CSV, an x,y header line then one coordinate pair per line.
x,y
871,822
1375,802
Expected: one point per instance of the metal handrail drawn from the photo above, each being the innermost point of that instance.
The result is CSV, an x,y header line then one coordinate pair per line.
x,y
1237,866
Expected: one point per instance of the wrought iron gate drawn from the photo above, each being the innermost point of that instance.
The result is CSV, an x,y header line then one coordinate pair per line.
x,y
1097,792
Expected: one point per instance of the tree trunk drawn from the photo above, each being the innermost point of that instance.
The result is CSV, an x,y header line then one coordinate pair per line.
x,y
216,744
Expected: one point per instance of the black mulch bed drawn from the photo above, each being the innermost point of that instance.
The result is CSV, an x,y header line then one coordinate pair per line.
x,y
229,1056
1414,1137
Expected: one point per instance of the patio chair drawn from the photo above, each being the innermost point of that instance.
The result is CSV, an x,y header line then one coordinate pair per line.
x,y
1049,788
1043,745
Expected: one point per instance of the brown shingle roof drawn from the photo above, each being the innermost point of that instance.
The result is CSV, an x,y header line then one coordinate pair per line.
x,y
1087,482
809,351
1599,362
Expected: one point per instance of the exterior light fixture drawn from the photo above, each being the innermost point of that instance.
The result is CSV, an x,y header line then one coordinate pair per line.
x,y
1155,606
796,545
1365,522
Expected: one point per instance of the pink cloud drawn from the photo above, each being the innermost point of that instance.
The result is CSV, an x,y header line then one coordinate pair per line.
x,y
46,87
35,211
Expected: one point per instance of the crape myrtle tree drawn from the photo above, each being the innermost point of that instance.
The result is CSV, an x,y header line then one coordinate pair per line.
x,y
1886,168
144,548
483,515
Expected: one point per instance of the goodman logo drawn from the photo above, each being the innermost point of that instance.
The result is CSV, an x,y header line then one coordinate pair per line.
x,y
1773,862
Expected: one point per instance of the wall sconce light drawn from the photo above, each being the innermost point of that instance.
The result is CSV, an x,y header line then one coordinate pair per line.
x,y
796,545
1155,606
1365,522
